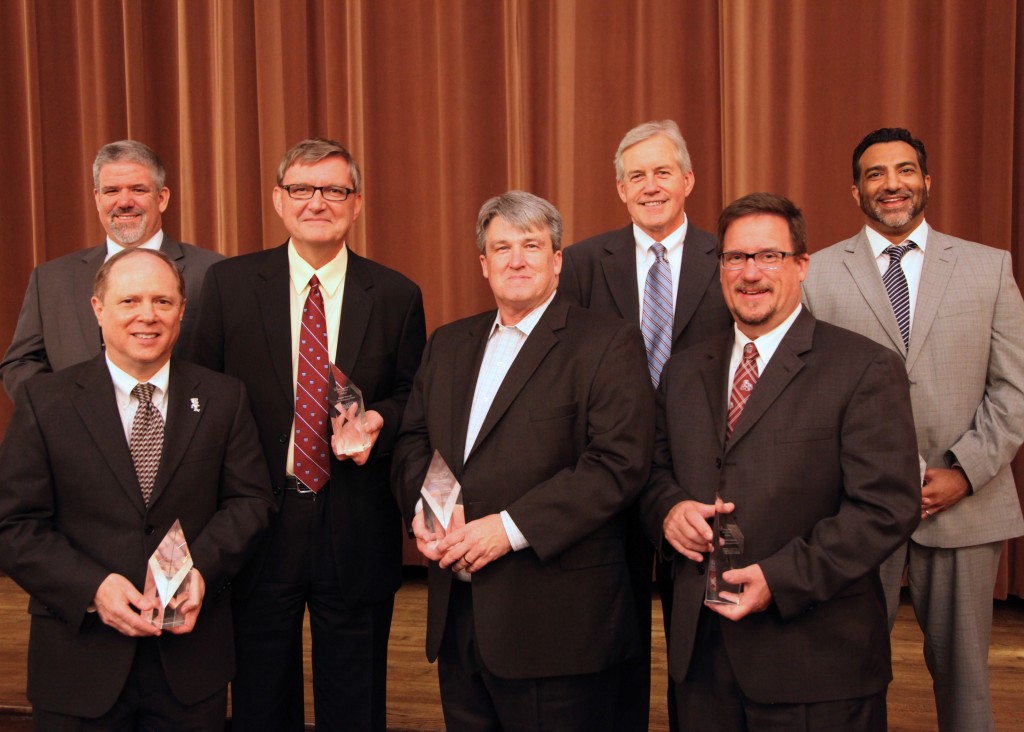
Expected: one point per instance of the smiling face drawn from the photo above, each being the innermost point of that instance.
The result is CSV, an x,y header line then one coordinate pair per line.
x,y
761,299
892,191
653,187
318,227
139,311
521,267
129,203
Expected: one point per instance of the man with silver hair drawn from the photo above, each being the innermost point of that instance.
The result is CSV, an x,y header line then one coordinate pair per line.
x,y
56,327
543,413
660,272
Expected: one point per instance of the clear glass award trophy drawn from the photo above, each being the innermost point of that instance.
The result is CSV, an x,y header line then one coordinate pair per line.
x,y
348,415
728,550
441,493
166,575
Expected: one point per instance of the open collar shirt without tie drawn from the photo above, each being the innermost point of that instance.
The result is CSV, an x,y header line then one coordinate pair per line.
x,y
152,244
332,288
645,258
503,345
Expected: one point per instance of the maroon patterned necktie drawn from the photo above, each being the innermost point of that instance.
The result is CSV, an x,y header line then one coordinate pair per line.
x,y
742,385
312,446
147,439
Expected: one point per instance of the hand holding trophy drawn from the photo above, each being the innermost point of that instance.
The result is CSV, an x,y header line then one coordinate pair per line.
x,y
348,415
168,579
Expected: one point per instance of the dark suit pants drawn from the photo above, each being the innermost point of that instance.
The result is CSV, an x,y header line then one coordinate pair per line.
x,y
146,703
710,700
475,700
349,644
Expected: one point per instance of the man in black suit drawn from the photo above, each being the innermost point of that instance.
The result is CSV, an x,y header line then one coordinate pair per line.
x,y
82,510
543,412
56,327
801,433
615,273
337,544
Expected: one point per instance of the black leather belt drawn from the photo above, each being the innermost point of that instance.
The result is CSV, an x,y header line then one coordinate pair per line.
x,y
291,483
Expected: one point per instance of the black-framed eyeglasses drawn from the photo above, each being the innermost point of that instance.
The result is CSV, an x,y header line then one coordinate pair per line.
x,y
767,259
303,192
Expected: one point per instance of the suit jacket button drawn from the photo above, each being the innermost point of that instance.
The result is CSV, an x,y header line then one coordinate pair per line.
x,y
701,568
718,463
277,490
150,529
283,439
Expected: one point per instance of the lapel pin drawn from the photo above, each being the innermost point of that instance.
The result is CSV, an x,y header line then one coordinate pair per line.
x,y
195,404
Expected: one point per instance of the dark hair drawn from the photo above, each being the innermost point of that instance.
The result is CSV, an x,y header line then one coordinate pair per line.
x,y
770,204
99,286
889,134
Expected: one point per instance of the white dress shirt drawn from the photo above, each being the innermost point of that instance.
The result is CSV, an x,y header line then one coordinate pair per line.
x,y
673,244
912,262
154,243
128,405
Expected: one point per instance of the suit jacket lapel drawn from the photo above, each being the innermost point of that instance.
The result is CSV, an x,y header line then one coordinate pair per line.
x,y
96,405
939,259
620,274
698,267
186,401
275,308
785,365
714,373
530,356
469,354
90,263
356,308
864,269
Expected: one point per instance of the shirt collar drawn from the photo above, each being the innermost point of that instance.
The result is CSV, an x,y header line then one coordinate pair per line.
x,y
154,243
331,275
528,323
670,242
124,383
879,243
769,342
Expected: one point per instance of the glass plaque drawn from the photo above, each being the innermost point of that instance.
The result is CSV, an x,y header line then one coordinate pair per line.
x,y
166,573
348,415
441,494
728,550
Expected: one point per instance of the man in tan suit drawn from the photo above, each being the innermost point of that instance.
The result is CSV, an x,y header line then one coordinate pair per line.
x,y
951,308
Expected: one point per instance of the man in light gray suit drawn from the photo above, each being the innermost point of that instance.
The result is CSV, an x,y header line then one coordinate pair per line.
x,y
951,308
56,327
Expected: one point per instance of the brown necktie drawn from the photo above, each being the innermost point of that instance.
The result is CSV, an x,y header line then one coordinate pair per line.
x,y
742,385
312,446
147,441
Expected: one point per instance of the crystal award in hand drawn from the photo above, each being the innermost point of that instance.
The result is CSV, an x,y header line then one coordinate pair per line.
x,y
166,576
728,548
441,494
348,416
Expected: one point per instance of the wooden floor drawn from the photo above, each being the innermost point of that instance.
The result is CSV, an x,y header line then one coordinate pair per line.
x,y
413,702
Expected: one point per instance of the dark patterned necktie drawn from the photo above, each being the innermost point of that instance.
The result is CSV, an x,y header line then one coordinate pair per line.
x,y
742,385
895,282
656,321
147,441
312,446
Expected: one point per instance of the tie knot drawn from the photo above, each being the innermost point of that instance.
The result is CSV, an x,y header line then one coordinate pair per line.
x,y
143,392
896,253
314,283
659,250
749,352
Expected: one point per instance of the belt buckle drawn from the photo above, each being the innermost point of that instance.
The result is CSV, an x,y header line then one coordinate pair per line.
x,y
294,484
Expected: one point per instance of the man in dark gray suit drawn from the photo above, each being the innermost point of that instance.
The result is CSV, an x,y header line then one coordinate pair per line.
x,y
56,327
615,273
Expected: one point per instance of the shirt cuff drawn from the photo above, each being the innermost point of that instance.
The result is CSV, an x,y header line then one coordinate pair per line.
x,y
515,536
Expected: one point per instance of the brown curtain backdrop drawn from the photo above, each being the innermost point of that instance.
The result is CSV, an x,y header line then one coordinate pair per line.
x,y
448,102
